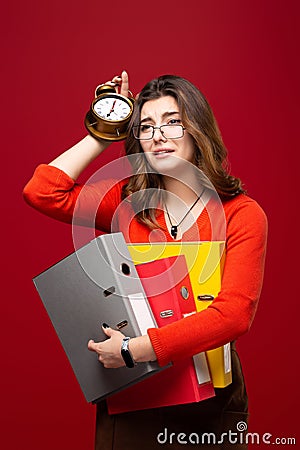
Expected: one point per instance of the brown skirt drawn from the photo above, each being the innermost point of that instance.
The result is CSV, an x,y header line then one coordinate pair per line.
x,y
182,426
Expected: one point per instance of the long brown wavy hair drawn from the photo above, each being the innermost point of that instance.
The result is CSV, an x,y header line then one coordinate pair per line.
x,y
210,152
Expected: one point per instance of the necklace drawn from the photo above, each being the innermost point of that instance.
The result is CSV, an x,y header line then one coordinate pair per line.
x,y
174,228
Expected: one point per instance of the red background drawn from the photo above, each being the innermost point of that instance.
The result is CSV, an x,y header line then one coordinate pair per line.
x,y
244,56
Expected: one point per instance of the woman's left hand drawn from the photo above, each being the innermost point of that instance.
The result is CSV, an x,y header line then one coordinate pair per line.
x,y
109,351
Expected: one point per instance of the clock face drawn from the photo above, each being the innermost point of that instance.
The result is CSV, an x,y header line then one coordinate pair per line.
x,y
112,108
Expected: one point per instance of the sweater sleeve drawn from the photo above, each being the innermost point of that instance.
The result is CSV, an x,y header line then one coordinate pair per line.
x,y
231,313
52,192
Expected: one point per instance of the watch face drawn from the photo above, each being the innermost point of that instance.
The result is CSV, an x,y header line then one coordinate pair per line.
x,y
112,108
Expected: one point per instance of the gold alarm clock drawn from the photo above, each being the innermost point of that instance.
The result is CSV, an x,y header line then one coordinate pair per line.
x,y
109,114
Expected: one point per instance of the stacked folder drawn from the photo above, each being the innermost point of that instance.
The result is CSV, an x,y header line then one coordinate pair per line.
x,y
97,283
205,261
169,292
135,287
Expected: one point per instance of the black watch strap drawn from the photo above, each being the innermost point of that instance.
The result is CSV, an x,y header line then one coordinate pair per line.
x,y
126,355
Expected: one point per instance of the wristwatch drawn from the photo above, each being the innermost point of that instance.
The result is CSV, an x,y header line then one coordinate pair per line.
x,y
126,355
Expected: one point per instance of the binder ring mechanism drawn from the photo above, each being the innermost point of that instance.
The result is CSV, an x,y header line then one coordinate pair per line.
x,y
206,298
167,313
184,292
122,324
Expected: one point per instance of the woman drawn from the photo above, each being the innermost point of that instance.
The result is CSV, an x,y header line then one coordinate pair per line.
x,y
173,136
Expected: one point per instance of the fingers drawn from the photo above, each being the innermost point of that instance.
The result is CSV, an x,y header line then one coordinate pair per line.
x,y
110,332
92,346
120,83
108,351
95,346
107,330
124,84
116,81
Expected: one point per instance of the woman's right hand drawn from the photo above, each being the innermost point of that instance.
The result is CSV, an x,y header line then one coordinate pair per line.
x,y
120,83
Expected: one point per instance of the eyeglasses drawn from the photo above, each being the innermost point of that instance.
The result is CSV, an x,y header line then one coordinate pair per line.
x,y
169,131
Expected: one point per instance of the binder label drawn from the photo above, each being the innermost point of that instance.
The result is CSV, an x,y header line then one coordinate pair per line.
x,y
227,358
201,367
141,311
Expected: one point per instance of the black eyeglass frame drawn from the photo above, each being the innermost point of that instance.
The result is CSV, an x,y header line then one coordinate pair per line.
x,y
160,129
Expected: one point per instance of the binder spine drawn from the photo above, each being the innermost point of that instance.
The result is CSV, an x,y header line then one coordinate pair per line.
x,y
132,292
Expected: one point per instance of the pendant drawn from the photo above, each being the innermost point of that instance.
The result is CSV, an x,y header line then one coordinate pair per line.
x,y
174,230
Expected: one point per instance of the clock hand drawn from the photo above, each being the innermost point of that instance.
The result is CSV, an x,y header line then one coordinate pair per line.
x,y
112,108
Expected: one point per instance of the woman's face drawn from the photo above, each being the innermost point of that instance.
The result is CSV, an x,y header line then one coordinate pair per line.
x,y
161,150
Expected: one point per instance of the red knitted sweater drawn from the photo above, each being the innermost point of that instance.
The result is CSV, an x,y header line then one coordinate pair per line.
x,y
99,205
